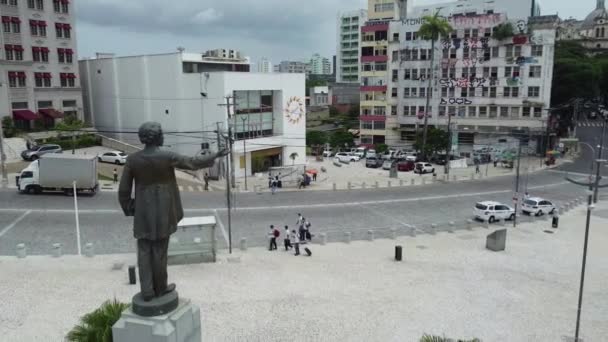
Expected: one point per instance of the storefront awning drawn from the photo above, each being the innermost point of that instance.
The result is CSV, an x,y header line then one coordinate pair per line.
x,y
51,113
24,114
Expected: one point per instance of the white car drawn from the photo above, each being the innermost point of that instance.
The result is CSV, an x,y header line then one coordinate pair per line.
x,y
493,211
424,168
115,157
360,152
346,157
537,206
328,153
371,154
387,164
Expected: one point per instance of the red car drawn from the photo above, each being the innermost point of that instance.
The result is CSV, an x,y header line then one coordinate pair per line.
x,y
406,165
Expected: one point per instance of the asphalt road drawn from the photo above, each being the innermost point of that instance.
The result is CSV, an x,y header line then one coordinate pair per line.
x,y
41,220
589,132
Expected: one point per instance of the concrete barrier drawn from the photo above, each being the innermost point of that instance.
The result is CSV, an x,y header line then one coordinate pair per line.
x,y
451,225
363,186
89,251
413,181
413,231
21,251
401,182
347,237
388,184
56,250
370,235
423,181
502,222
335,187
472,176
377,185
243,244
455,178
348,186
393,233
486,224
433,228
323,239
561,210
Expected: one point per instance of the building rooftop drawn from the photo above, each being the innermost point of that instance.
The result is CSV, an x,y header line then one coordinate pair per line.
x,y
598,13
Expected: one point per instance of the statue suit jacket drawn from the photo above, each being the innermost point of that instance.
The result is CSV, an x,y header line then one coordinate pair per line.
x,y
157,207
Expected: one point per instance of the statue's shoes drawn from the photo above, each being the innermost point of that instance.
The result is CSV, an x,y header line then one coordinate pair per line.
x,y
170,288
147,297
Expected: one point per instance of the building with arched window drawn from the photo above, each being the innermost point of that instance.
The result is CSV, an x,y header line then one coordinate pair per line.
x,y
592,32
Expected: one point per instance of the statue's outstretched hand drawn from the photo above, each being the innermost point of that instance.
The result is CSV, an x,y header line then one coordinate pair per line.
x,y
222,153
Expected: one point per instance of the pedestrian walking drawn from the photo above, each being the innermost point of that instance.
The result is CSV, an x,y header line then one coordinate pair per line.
x,y
206,179
273,186
314,177
307,233
296,242
495,162
287,241
273,235
302,231
477,168
115,176
300,220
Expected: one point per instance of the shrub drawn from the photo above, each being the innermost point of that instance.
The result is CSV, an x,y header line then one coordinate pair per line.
x,y
504,31
9,127
434,338
96,326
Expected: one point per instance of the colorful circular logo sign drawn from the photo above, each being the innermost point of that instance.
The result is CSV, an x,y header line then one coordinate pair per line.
x,y
294,110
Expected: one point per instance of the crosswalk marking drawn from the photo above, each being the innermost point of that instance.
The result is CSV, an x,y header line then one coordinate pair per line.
x,y
589,124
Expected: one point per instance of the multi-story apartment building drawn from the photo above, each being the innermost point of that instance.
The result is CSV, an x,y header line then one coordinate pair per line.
x,y
374,59
264,65
292,67
39,77
349,40
183,92
487,89
320,65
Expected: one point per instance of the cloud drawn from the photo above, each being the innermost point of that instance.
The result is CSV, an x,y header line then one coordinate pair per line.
x,y
207,16
278,29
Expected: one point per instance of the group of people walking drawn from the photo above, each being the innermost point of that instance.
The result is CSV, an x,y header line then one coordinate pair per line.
x,y
292,239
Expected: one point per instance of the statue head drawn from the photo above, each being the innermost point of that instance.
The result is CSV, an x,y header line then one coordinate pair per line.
x,y
151,134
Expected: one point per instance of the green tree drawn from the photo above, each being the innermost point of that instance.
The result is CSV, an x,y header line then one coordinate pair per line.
x,y
293,157
504,31
354,111
341,139
433,28
333,111
437,140
97,325
381,148
70,124
315,138
8,127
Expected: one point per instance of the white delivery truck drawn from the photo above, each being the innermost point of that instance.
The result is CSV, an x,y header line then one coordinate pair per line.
x,y
58,172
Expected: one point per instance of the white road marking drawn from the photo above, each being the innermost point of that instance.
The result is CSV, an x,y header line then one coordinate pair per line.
x,y
321,205
219,223
14,223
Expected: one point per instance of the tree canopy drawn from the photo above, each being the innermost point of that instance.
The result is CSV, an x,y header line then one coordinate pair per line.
x,y
341,139
315,138
434,26
437,140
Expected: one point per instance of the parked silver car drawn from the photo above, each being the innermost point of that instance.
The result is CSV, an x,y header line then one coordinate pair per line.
x,y
37,151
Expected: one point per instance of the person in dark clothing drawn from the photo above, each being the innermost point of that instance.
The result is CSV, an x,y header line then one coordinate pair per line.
x,y
115,174
287,241
314,177
296,242
302,230
273,238
206,178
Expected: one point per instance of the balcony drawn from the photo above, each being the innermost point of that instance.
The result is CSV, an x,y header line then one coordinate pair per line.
x,y
373,88
372,117
374,28
378,58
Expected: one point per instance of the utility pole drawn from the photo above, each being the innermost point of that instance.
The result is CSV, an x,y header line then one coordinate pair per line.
x,y
3,158
516,195
428,99
228,117
599,157
244,118
227,175
447,156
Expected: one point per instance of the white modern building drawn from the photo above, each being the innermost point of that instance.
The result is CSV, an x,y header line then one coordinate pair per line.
x,y
266,110
487,89
264,65
292,67
348,42
320,65
39,77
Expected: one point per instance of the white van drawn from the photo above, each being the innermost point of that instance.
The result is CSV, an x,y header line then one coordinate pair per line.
x,y
493,211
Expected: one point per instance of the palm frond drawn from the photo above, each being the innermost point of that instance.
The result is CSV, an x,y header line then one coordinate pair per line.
x,y
96,326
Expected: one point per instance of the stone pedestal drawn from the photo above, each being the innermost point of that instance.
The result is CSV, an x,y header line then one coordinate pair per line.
x,y
180,325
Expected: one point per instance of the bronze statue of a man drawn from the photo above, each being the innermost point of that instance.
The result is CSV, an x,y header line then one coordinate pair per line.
x,y
157,206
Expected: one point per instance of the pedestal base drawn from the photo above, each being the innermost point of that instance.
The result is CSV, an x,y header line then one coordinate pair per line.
x,y
181,325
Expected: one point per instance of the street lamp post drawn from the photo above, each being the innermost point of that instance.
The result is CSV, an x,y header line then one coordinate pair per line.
x,y
244,118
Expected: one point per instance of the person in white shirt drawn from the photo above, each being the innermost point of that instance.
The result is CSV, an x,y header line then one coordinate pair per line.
x,y
287,241
295,241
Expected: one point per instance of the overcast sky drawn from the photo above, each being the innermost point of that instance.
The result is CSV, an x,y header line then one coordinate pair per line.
x,y
277,29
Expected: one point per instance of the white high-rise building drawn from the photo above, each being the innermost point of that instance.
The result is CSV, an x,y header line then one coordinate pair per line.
x,y
39,77
348,42
264,65
320,65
